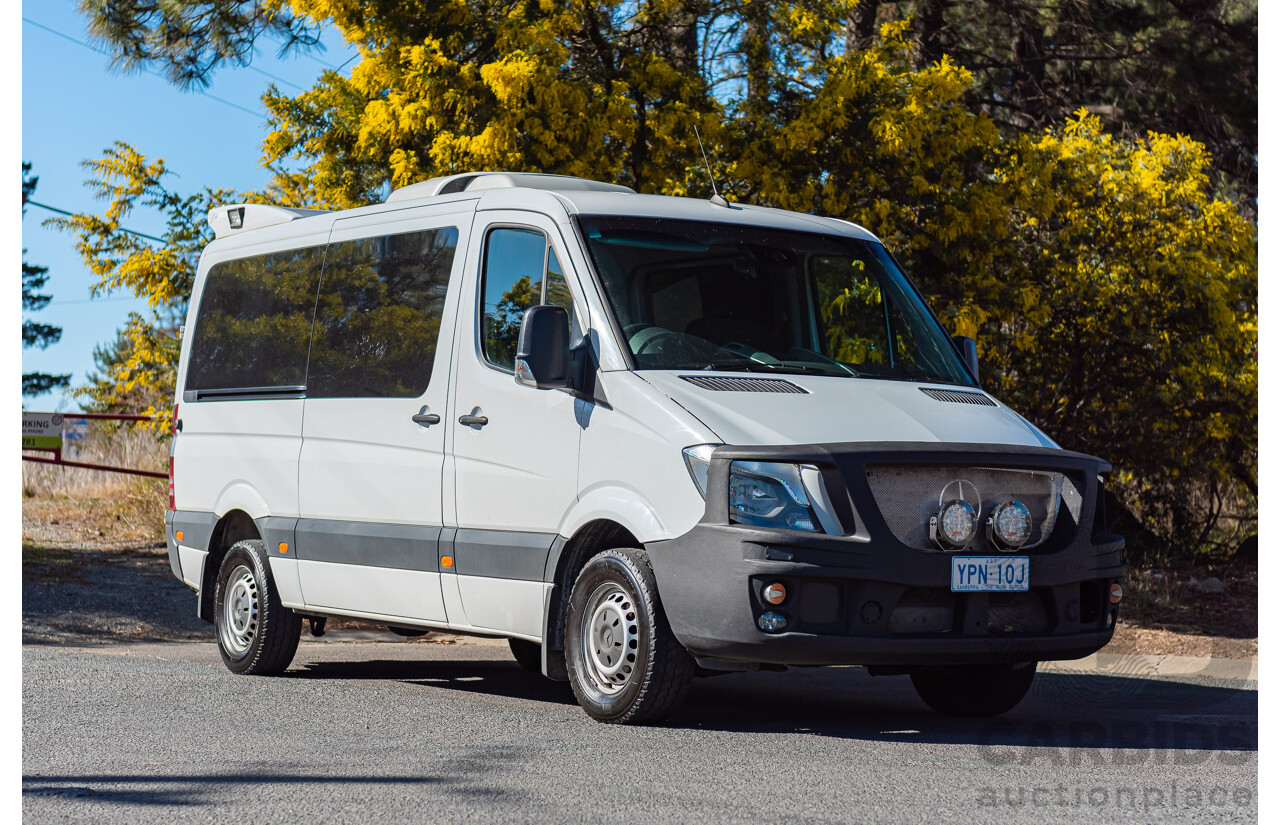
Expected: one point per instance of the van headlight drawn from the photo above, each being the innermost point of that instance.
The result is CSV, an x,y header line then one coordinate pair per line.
x,y
770,494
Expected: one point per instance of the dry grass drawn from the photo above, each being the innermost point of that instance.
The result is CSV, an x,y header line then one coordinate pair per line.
x,y
98,507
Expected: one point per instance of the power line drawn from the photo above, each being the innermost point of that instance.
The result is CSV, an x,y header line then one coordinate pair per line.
x,y
253,68
78,42
76,215
93,300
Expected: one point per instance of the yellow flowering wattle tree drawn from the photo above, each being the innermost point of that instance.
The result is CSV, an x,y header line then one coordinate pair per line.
x,y
1112,292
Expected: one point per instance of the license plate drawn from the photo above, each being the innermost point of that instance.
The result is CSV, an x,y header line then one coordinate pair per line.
x,y
983,574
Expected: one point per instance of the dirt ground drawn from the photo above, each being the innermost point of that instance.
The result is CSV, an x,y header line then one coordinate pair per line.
x,y
93,572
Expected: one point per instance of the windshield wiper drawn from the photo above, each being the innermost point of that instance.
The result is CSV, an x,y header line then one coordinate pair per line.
x,y
747,365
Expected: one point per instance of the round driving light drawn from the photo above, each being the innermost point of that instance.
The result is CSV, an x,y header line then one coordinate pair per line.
x,y
956,523
1011,524
775,593
772,622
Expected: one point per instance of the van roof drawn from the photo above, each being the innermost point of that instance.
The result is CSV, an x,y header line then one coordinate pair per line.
x,y
494,190
693,209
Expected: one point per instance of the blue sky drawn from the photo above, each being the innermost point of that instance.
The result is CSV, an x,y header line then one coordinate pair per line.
x,y
74,107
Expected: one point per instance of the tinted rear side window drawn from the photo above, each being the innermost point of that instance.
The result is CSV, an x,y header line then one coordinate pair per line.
x,y
254,322
378,315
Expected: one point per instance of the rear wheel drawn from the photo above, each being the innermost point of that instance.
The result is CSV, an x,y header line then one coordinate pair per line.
x,y
528,654
257,635
974,690
625,665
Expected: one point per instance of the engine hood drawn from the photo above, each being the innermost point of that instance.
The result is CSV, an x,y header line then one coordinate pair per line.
x,y
835,409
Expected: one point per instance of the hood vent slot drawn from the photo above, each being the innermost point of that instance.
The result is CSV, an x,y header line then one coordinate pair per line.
x,y
717,384
959,397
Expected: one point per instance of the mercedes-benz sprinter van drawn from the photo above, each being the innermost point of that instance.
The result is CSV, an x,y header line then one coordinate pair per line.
x,y
644,438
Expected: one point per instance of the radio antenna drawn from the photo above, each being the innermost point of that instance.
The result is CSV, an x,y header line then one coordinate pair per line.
x,y
716,197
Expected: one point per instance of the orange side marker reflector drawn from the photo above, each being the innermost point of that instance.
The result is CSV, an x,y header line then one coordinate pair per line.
x,y
284,547
1117,593
178,535
446,561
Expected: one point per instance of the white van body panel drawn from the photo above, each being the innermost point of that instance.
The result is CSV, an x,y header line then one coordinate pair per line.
x,y
513,478
192,562
288,583
519,471
509,605
840,409
631,463
240,495
380,591
366,461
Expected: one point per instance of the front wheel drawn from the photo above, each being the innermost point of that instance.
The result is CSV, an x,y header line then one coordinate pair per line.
x,y
257,635
625,665
974,690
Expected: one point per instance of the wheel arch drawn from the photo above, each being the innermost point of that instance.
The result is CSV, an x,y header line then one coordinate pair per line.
x,y
566,561
233,526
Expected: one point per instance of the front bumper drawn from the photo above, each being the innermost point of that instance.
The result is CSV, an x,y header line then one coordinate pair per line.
x,y
869,599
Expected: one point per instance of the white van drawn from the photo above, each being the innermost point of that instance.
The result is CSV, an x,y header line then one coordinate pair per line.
x,y
644,438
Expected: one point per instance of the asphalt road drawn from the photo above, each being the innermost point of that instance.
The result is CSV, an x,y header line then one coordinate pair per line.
x,y
401,732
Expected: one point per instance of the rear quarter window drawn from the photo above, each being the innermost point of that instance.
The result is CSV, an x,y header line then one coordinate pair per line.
x,y
253,326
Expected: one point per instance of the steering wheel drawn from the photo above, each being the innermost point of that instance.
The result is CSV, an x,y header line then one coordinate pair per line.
x,y
647,334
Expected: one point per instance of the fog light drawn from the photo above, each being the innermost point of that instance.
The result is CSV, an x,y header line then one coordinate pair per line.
x,y
955,524
772,622
1117,593
775,593
1011,524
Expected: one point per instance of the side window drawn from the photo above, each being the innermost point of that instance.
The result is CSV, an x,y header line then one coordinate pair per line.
x,y
521,270
378,315
557,291
254,322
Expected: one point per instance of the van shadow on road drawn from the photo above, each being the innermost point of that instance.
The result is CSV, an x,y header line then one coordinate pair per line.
x,y
186,790
1064,710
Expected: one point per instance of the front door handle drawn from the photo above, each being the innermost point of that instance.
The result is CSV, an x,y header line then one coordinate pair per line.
x,y
426,418
473,420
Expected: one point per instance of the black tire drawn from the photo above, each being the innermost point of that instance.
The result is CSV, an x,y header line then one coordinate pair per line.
x,y
256,634
653,669
974,690
528,654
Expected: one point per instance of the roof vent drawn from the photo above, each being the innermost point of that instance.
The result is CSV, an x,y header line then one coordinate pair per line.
x,y
718,384
959,397
242,217
476,181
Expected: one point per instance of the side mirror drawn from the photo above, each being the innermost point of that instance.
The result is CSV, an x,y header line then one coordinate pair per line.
x,y
968,349
542,357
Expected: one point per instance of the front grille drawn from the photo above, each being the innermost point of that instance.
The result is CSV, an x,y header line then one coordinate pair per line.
x,y
959,397
743,384
907,496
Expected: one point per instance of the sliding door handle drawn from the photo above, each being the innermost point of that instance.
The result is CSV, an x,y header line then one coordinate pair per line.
x,y
426,418
473,420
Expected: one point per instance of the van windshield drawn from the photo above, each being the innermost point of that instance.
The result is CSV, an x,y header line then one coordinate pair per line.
x,y
695,295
